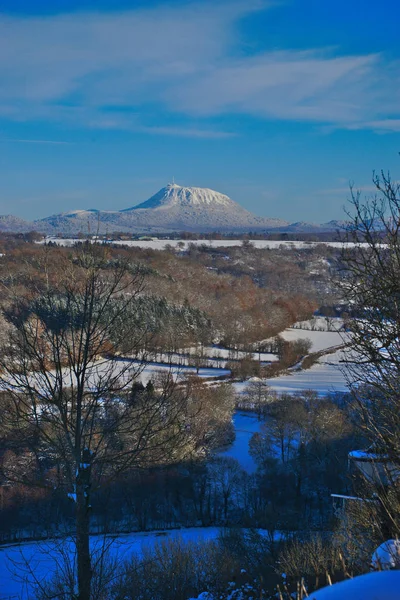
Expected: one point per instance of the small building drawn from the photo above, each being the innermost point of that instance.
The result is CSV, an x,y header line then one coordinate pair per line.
x,y
376,467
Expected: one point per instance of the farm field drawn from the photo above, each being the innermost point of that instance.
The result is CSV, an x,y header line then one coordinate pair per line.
x,y
325,377
320,340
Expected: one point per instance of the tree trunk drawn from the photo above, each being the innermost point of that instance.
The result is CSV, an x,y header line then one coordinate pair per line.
x,y
82,542
82,486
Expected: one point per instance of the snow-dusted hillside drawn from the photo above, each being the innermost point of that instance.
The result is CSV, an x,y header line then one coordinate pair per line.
x,y
15,224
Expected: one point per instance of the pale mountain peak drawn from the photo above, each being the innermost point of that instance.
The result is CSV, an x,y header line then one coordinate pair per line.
x,y
176,195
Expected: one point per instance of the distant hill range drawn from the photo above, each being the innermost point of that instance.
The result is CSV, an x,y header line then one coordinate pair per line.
x,y
173,208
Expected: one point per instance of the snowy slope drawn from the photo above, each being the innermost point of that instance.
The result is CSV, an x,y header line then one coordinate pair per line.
x,y
383,585
176,195
194,208
16,582
172,208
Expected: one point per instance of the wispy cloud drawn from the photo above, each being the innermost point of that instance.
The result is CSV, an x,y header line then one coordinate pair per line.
x,y
51,142
121,122
380,126
182,132
288,84
190,61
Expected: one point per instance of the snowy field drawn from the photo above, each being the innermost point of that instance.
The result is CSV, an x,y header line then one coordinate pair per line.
x,y
127,369
321,340
228,354
152,369
160,244
324,377
319,323
42,557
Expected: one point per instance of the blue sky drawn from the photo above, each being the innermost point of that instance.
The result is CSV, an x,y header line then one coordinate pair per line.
x,y
277,104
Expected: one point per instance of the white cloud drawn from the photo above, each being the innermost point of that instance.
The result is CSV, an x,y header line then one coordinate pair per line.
x,y
116,55
88,68
380,126
188,132
296,85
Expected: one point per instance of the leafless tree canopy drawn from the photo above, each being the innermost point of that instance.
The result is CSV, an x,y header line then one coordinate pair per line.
x,y
371,286
70,394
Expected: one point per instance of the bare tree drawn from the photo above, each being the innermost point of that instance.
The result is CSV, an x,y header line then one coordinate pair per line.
x,y
257,396
371,286
71,407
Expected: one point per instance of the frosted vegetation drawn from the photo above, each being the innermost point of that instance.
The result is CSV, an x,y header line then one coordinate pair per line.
x,y
244,344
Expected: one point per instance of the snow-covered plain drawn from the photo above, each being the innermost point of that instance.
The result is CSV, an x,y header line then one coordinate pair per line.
x,y
156,244
324,377
320,340
42,557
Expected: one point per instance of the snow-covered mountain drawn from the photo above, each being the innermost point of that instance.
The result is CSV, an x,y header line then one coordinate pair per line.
x,y
174,195
305,227
15,224
194,208
173,208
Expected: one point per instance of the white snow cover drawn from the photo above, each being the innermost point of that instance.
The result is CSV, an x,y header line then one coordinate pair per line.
x,y
42,557
320,340
382,585
174,194
324,377
159,244
387,555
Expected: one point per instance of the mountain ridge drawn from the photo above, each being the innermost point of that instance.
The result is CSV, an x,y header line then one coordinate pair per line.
x,y
172,208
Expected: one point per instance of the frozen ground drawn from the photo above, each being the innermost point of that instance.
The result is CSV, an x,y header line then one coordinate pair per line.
x,y
42,557
323,377
160,244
